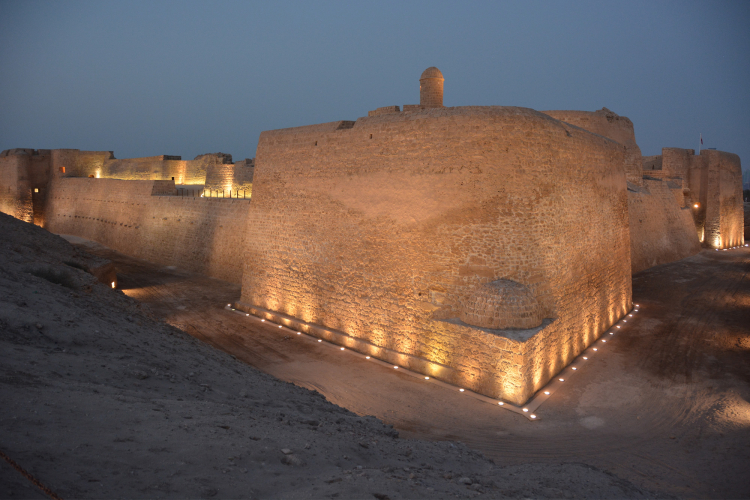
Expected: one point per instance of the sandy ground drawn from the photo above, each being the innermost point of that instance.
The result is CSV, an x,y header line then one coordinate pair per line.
x,y
104,396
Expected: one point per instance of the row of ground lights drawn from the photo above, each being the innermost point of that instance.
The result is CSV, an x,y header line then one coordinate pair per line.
x,y
526,410
734,248
544,394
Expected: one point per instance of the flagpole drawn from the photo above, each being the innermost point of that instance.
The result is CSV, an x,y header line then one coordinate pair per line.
x,y
700,143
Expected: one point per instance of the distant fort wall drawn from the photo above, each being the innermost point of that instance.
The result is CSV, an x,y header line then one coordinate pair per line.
x,y
24,182
399,232
145,219
214,171
709,187
669,195
660,230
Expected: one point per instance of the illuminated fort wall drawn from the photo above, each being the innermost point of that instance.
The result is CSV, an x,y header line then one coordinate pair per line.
x,y
709,187
609,124
405,232
15,186
214,171
662,229
24,179
145,219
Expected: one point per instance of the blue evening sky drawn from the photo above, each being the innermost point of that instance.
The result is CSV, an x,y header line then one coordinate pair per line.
x,y
190,77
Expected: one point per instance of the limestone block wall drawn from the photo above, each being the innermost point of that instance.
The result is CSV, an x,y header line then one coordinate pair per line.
x,y
160,167
24,180
660,230
77,163
242,176
198,234
220,174
651,163
675,163
711,186
214,170
383,231
724,224
609,124
15,186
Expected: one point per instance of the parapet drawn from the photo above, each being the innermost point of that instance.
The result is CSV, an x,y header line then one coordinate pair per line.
x,y
613,126
385,110
225,158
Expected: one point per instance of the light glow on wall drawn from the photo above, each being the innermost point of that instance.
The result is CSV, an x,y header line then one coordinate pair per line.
x,y
531,406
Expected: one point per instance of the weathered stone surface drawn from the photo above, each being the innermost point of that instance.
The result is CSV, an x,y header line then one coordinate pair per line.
x,y
199,234
375,229
501,304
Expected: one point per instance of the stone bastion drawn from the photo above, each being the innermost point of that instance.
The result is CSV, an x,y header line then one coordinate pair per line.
x,y
483,246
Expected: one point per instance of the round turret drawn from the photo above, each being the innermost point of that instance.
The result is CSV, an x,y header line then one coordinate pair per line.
x,y
431,88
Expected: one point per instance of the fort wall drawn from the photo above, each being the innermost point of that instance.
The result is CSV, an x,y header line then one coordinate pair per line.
x,y
660,230
710,186
214,171
146,168
15,186
609,124
77,163
662,226
197,234
724,222
387,231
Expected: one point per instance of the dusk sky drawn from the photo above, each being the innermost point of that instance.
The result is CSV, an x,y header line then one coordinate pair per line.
x,y
192,77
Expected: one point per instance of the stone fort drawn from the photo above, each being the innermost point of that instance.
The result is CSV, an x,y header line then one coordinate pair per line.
x,y
485,246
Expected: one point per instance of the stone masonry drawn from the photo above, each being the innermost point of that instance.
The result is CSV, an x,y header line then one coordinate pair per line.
x,y
384,231
483,246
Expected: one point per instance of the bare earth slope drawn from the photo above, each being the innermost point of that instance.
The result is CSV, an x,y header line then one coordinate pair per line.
x,y
101,401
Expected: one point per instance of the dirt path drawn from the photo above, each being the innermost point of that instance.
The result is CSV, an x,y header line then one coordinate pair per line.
x,y
665,405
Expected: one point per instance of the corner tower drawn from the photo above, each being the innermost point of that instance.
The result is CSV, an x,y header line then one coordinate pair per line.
x,y
431,88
